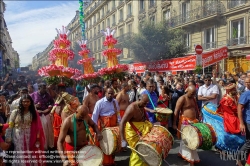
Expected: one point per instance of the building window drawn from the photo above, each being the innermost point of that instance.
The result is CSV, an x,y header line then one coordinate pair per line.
x,y
103,26
108,23
237,32
98,28
121,14
209,37
152,19
103,12
166,15
121,31
185,11
129,9
113,2
113,19
235,3
151,3
142,6
99,44
129,28
187,39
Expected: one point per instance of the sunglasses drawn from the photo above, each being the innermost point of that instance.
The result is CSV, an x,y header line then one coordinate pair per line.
x,y
207,80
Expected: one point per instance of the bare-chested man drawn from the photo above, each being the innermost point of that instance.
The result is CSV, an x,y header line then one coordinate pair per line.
x,y
187,105
136,115
67,134
115,88
92,98
123,98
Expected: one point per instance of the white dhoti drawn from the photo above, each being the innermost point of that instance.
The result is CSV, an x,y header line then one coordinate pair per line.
x,y
48,131
189,155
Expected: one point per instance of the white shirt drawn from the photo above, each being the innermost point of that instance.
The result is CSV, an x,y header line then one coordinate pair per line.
x,y
105,108
85,92
207,91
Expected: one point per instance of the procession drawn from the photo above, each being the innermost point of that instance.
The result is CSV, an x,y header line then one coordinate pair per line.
x,y
174,110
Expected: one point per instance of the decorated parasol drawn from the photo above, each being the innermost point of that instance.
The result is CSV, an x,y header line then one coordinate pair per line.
x,y
59,57
113,69
89,75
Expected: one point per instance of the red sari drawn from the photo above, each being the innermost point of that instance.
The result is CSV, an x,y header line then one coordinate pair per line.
x,y
228,108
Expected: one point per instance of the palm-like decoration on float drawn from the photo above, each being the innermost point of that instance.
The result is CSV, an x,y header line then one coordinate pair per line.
x,y
59,57
89,74
114,69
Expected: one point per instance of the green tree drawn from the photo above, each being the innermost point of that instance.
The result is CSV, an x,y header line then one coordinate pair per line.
x,y
156,42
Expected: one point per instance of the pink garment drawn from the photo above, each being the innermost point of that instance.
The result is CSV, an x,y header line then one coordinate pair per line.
x,y
1,139
36,127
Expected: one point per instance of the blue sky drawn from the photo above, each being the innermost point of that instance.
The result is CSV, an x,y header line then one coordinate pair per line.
x,y
32,24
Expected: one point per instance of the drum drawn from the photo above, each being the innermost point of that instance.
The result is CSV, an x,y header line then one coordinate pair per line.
x,y
225,141
199,136
90,155
155,145
162,114
111,142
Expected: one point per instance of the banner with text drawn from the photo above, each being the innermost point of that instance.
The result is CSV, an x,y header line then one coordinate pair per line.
x,y
215,56
175,64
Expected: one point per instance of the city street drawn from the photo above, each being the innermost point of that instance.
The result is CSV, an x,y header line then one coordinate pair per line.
x,y
208,158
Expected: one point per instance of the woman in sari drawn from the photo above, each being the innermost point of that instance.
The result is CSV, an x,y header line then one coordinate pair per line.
x,y
26,133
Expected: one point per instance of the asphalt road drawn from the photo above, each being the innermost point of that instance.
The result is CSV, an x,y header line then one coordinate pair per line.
x,y
208,158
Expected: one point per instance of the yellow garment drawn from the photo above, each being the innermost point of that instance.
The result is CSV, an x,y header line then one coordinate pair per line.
x,y
132,139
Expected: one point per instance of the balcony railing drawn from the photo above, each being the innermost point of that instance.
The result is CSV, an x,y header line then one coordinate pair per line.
x,y
129,15
237,41
141,11
207,10
151,5
121,20
209,45
235,3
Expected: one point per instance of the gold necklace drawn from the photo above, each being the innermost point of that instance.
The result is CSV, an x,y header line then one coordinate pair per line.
x,y
141,111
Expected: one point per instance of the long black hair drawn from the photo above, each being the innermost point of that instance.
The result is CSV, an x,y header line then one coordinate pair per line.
x,y
31,107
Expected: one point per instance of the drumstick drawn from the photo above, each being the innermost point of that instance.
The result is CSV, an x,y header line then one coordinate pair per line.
x,y
181,132
89,157
137,151
166,162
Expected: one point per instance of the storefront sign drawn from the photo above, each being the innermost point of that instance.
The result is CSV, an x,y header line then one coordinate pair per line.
x,y
215,56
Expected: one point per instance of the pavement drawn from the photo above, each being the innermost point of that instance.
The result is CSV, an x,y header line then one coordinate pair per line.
x,y
208,158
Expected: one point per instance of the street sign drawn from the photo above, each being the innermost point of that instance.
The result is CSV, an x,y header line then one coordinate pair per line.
x,y
198,49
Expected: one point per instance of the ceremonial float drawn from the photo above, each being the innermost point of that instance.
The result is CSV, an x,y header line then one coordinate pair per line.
x,y
58,70
225,141
113,69
89,75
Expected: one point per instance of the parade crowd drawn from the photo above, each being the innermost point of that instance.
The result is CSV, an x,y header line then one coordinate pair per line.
x,y
36,116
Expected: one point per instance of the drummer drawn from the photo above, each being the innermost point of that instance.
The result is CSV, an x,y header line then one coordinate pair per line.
x,y
153,96
188,115
136,115
67,135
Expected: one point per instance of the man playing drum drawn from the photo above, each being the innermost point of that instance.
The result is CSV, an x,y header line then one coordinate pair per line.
x,y
106,114
136,115
186,108
123,99
67,135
